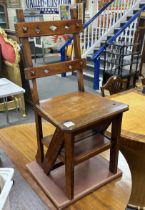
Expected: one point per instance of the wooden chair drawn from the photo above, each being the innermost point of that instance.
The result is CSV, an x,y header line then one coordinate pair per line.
x,y
76,116
114,85
143,80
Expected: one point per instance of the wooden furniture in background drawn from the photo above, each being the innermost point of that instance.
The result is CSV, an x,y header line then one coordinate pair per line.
x,y
114,85
10,69
112,196
133,142
3,14
143,80
79,118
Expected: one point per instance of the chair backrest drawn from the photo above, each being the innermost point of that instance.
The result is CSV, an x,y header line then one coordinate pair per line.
x,y
114,85
27,30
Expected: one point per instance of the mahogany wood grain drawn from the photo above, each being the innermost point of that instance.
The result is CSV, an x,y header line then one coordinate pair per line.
x,y
143,81
133,142
53,151
27,57
25,43
89,147
52,69
19,143
39,133
82,111
77,52
69,162
133,120
115,84
115,137
84,148
34,29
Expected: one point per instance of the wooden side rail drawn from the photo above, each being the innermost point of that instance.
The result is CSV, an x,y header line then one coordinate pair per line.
x,y
52,69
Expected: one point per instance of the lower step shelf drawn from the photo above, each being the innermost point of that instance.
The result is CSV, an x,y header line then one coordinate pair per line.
x,y
85,148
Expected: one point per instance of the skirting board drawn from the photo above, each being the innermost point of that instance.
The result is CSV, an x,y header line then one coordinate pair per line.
x,y
89,176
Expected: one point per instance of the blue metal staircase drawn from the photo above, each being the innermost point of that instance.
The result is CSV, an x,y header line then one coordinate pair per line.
x,y
96,52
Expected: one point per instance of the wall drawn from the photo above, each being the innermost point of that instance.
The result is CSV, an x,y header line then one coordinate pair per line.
x,y
12,14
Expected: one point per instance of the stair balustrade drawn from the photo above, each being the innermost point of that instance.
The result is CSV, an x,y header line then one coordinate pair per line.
x,y
104,23
97,28
96,57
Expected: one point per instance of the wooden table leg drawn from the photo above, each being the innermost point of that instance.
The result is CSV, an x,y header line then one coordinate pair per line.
x,y
69,164
115,138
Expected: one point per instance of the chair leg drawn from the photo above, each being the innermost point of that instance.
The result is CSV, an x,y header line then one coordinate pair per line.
x,y
115,138
69,165
39,133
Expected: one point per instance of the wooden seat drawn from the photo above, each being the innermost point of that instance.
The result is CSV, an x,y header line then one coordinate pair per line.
x,y
114,85
80,118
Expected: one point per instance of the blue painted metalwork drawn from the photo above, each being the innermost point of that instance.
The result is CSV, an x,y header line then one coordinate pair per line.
x,y
96,73
97,14
62,49
97,55
63,59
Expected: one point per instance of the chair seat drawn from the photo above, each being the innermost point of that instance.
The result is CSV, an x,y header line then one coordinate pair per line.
x,y
78,109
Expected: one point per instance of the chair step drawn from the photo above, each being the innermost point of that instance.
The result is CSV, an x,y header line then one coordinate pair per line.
x,y
88,147
84,148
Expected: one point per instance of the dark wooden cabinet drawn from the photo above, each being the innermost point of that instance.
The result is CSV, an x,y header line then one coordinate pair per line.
x,y
3,15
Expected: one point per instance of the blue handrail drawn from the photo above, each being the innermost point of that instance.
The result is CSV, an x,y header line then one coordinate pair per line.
x,y
87,24
113,38
97,14
97,55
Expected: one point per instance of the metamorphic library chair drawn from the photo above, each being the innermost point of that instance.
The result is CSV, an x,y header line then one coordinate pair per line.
x,y
80,118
